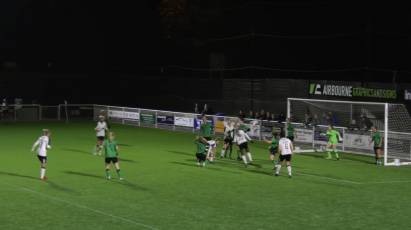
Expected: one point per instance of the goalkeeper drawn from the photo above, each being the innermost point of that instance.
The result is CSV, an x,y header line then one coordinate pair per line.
x,y
333,137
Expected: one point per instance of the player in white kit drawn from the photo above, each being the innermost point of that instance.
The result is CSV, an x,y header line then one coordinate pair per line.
x,y
101,130
42,144
285,148
242,139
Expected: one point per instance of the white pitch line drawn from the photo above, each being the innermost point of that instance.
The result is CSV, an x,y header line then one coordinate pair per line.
x,y
331,179
84,207
389,182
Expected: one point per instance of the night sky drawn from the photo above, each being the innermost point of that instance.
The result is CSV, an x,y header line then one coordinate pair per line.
x,y
158,37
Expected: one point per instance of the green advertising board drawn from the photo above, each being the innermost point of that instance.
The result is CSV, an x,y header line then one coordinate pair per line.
x,y
148,119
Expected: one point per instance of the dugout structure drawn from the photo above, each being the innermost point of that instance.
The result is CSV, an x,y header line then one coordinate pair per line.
x,y
353,120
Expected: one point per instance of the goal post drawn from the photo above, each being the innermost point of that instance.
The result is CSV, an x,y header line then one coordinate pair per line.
x,y
354,119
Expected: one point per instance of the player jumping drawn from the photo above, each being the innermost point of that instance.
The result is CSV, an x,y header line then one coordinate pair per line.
x,y
285,148
111,155
101,129
43,144
377,139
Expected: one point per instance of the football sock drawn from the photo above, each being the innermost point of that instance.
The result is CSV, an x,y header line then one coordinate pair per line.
x,y
222,153
42,172
336,153
249,157
107,173
277,171
244,159
119,173
289,170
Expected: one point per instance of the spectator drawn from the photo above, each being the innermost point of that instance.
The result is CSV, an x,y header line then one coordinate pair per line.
x,y
241,115
196,108
267,116
257,115
281,117
316,121
272,117
250,115
368,123
262,114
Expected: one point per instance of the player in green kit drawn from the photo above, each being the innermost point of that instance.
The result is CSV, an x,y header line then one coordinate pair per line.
x,y
206,131
111,155
273,149
201,152
333,137
377,139
290,130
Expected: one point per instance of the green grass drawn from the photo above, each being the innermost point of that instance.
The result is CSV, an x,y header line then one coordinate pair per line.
x,y
164,189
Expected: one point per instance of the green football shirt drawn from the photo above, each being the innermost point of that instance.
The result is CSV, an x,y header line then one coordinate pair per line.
x,y
377,139
274,143
332,136
290,130
110,148
205,130
201,147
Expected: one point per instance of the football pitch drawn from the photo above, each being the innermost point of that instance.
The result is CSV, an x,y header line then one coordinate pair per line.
x,y
165,189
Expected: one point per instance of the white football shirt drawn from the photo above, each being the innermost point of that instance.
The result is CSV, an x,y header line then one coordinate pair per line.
x,y
285,146
101,128
43,143
241,137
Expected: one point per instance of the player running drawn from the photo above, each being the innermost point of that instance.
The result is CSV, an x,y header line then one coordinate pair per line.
x,y
285,148
101,129
273,149
228,139
242,139
333,137
201,153
43,144
376,138
111,155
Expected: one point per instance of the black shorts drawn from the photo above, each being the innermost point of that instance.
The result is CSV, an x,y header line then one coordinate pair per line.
x,y
201,156
243,146
273,151
100,138
109,160
285,157
42,159
228,141
291,138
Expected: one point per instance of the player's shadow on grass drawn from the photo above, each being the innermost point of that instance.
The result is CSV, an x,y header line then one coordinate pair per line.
x,y
124,183
19,175
52,184
181,153
61,188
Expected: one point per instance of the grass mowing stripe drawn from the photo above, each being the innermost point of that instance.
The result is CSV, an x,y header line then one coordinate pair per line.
x,y
83,207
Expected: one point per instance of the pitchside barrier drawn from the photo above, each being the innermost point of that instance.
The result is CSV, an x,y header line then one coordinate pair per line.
x,y
309,137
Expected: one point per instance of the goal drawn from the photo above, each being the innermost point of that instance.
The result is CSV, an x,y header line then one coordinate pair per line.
x,y
353,119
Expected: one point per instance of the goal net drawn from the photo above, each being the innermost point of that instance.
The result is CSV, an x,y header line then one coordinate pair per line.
x,y
353,120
